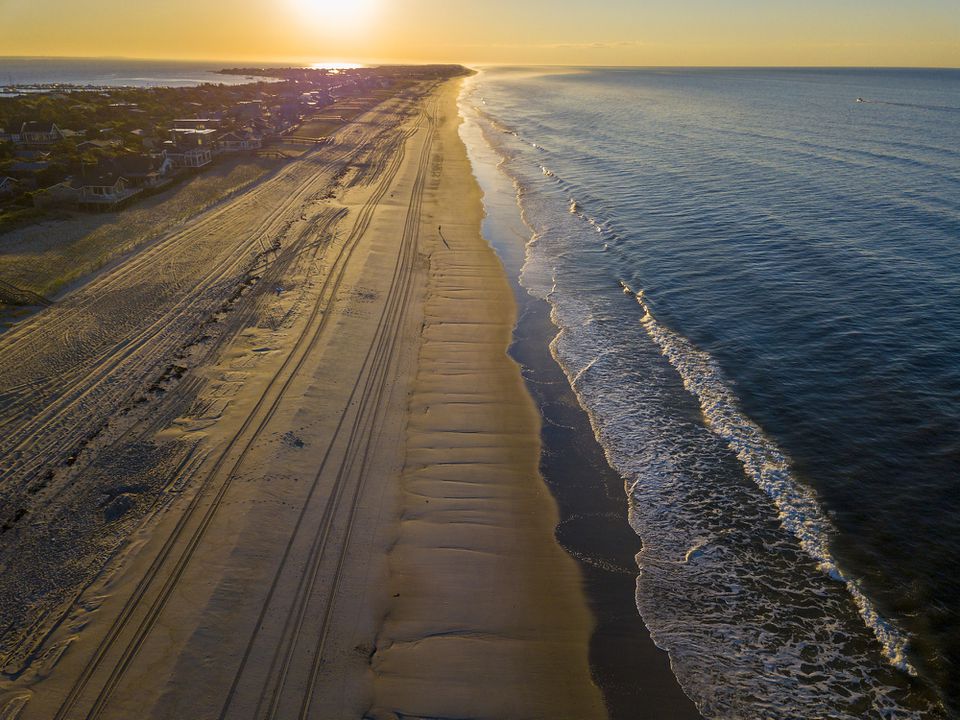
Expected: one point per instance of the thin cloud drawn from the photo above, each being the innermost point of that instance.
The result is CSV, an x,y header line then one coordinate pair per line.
x,y
596,45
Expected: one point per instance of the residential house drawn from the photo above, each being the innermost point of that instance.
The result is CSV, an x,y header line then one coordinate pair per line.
x,y
191,147
9,187
193,137
100,187
59,195
190,158
144,171
98,145
38,133
27,172
239,140
248,110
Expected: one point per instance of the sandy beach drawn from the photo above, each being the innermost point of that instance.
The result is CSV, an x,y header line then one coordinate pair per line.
x,y
381,360
487,617
299,481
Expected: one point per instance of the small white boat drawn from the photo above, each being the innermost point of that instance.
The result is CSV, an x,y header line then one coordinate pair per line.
x,y
860,100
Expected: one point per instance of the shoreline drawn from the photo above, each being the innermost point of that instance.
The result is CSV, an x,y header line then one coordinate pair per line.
x,y
733,581
476,628
633,673
360,527
459,549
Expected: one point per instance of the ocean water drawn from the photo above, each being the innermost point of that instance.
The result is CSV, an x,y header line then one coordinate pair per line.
x,y
115,72
756,285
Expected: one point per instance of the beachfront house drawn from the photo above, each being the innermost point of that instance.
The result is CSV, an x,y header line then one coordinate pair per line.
x,y
144,171
190,158
191,147
38,133
239,140
61,195
100,187
193,137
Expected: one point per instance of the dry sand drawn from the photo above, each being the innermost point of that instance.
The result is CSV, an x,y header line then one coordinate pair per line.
x,y
487,617
48,256
348,520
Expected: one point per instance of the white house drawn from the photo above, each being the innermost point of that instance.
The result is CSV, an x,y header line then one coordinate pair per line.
x,y
37,133
191,158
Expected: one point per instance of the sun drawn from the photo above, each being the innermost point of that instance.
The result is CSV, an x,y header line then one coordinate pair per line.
x,y
337,15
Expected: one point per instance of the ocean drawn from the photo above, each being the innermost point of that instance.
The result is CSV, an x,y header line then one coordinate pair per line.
x,y
755,280
115,72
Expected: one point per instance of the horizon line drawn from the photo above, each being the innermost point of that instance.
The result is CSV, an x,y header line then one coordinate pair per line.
x,y
381,62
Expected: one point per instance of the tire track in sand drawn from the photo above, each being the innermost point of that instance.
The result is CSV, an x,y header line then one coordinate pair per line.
x,y
372,384
244,440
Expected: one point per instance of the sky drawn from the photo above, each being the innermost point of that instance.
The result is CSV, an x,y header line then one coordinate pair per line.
x,y
907,33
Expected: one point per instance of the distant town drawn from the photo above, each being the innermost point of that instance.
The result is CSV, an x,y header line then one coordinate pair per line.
x,y
96,149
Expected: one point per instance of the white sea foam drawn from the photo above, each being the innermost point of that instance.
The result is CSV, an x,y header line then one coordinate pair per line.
x,y
798,507
769,468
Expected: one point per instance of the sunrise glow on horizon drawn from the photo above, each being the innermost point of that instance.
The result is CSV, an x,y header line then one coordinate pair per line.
x,y
609,32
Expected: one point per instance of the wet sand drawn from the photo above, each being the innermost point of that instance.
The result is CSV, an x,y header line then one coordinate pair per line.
x,y
632,672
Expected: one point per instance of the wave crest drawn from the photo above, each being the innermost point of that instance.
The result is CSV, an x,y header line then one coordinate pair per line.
x,y
764,463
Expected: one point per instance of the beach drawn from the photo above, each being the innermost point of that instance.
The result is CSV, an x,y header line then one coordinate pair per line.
x,y
299,481
444,418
